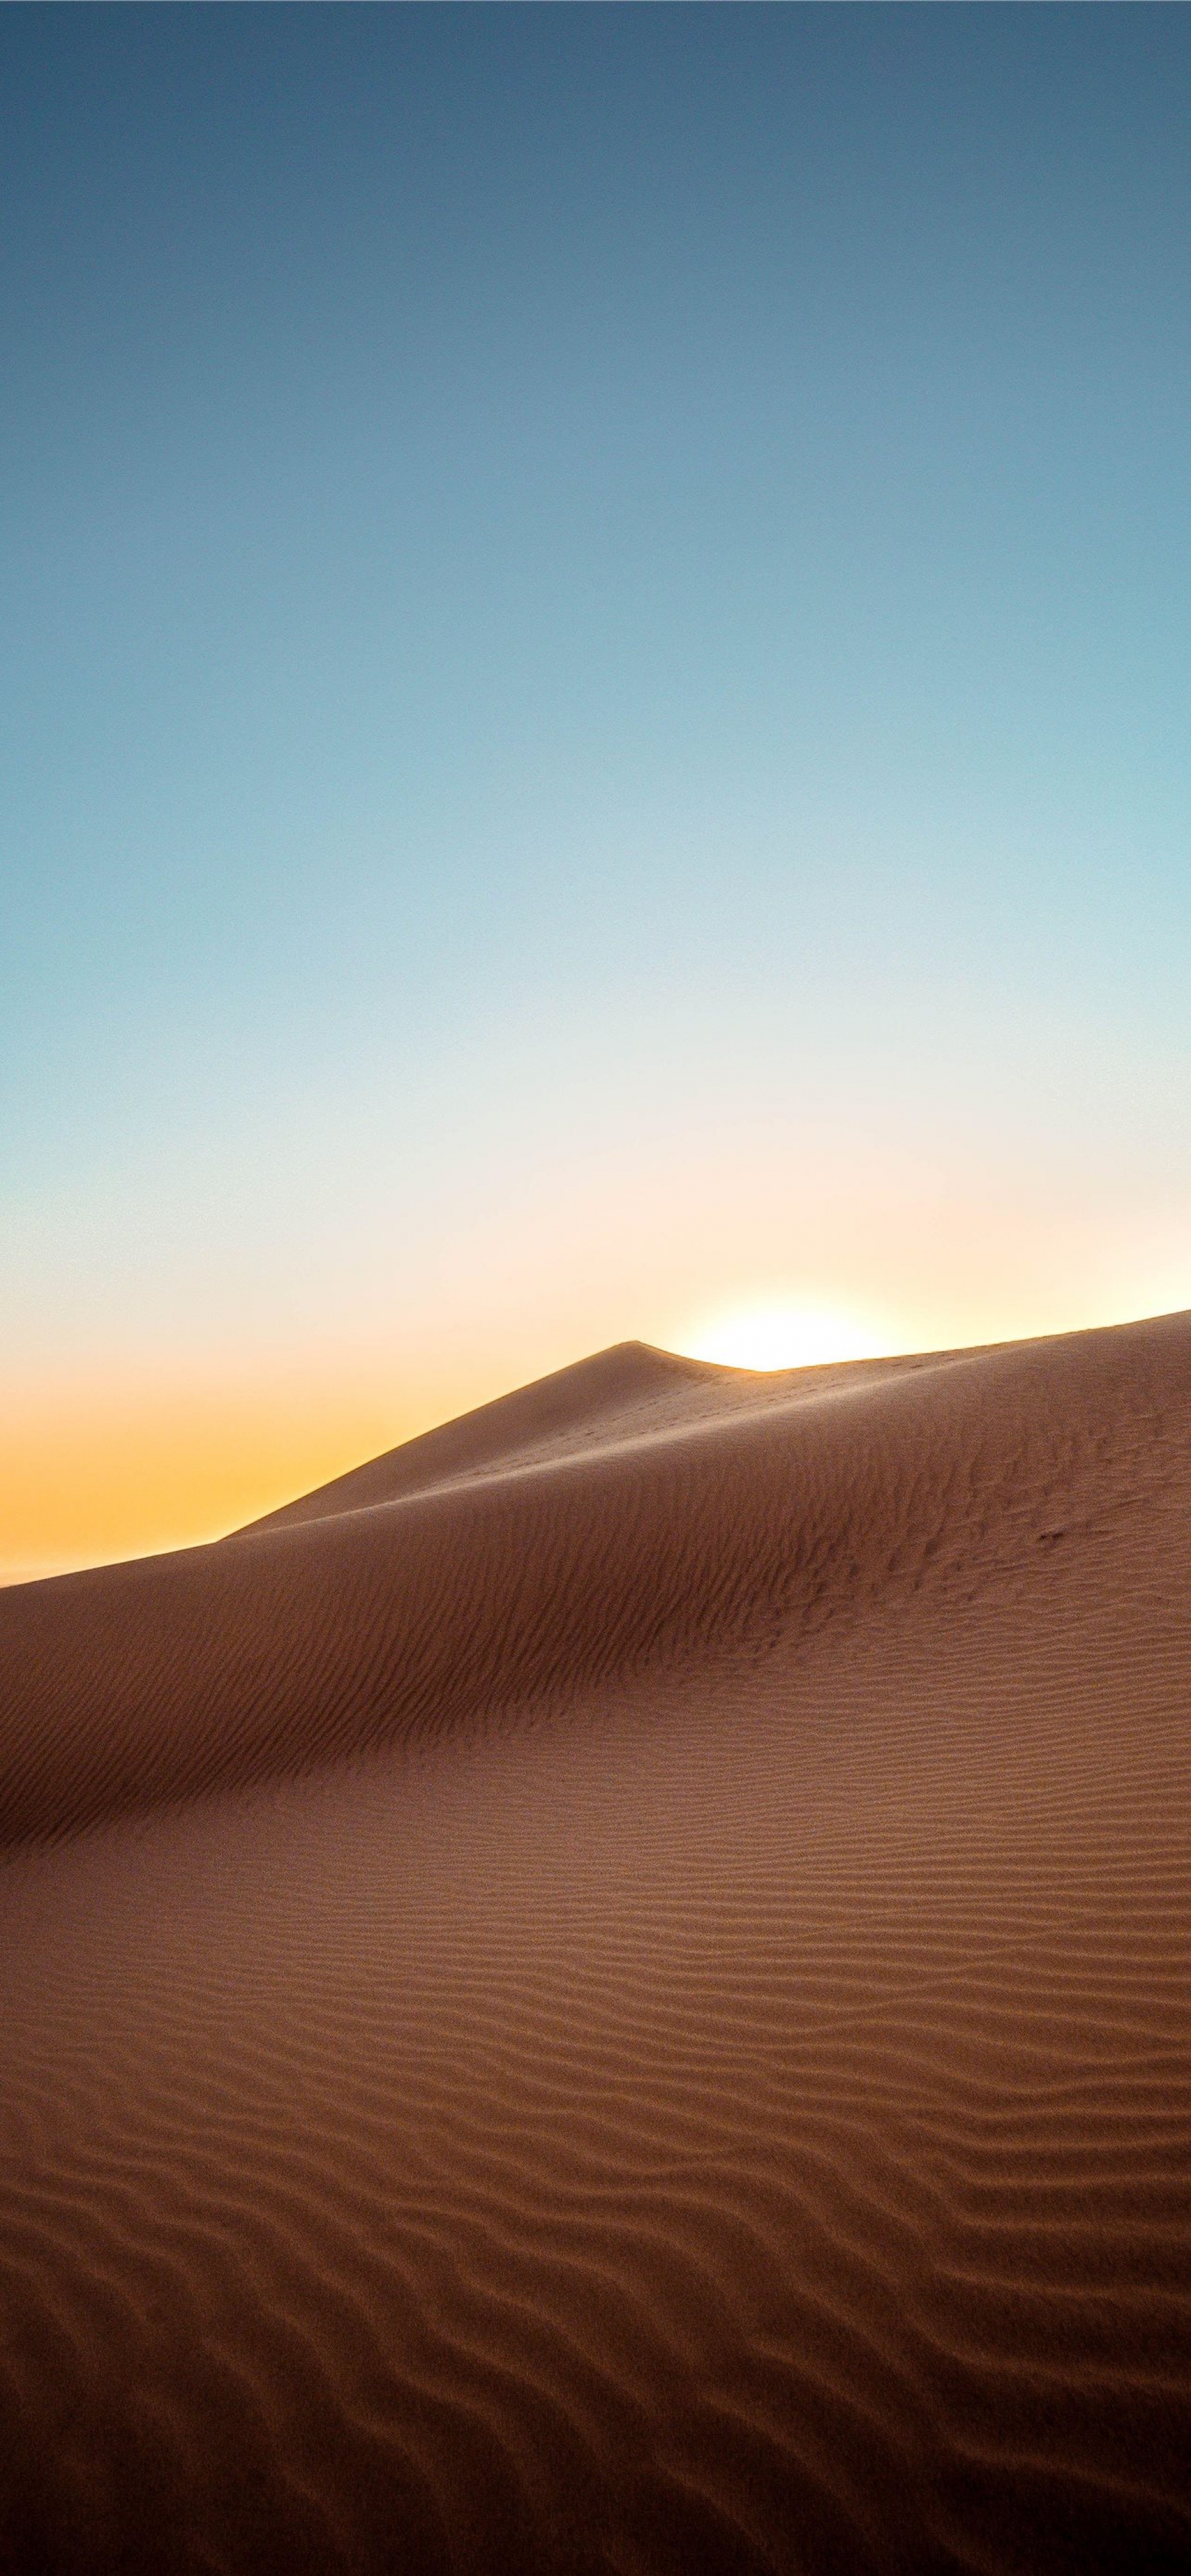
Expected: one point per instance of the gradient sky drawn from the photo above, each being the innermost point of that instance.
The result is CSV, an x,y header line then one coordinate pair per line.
x,y
594,712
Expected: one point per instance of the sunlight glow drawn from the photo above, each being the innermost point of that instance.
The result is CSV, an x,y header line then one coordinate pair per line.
x,y
785,1336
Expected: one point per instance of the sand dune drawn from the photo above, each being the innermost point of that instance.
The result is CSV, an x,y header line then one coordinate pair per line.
x,y
610,1992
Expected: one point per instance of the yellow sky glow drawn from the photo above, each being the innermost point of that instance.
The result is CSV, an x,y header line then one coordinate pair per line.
x,y
90,1473
123,1455
778,1334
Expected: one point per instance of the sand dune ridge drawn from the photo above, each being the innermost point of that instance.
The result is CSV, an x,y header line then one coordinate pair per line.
x,y
609,1993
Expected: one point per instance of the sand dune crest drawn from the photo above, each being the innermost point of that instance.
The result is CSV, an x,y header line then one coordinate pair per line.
x,y
609,1992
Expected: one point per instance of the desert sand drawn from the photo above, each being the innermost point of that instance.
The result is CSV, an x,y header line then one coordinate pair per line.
x,y
610,1992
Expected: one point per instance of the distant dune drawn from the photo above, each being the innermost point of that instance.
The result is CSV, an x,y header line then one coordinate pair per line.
x,y
610,1993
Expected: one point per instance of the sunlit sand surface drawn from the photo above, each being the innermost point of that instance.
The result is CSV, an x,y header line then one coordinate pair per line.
x,y
610,1993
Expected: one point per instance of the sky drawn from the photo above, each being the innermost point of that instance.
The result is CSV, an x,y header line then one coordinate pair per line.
x,y
593,709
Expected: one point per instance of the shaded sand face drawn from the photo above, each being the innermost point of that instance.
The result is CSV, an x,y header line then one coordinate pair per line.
x,y
610,1993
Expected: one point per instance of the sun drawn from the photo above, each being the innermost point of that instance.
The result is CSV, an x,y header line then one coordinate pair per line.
x,y
776,1335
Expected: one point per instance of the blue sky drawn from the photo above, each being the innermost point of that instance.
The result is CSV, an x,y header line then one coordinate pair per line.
x,y
595,673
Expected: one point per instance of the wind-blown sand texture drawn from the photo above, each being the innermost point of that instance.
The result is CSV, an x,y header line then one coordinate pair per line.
x,y
610,1992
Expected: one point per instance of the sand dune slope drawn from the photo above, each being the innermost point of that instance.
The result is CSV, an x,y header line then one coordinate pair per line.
x,y
611,1993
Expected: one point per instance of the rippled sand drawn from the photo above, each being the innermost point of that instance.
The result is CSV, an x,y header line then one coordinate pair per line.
x,y
612,1993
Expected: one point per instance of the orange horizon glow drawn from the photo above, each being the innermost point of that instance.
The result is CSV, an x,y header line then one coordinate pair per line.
x,y
93,1475
114,1462
541,810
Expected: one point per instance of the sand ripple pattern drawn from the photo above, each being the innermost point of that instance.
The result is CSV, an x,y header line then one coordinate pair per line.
x,y
612,1996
